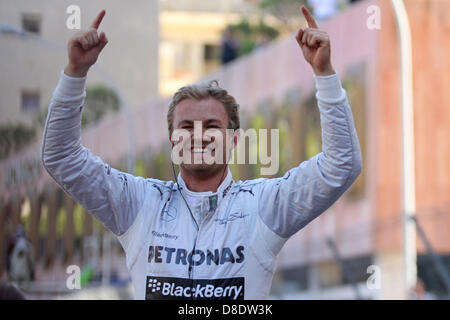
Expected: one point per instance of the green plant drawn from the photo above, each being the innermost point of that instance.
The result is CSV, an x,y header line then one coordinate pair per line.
x,y
99,101
287,12
14,137
249,35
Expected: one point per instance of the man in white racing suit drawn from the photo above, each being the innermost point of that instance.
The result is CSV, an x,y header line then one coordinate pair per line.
x,y
204,236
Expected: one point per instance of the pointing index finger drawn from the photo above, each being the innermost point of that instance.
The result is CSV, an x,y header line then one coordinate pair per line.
x,y
96,23
309,18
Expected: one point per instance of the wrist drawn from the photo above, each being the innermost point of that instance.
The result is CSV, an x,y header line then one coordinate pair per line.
x,y
329,88
327,71
70,87
72,71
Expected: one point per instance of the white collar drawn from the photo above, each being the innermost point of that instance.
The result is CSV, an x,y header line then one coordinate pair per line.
x,y
222,190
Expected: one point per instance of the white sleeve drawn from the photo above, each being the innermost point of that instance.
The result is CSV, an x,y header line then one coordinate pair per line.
x,y
290,202
111,196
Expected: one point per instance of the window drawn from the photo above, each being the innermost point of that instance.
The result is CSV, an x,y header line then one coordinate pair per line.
x,y
329,274
211,52
297,276
357,269
211,57
182,59
30,101
31,23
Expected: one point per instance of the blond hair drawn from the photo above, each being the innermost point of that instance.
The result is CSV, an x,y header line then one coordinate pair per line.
x,y
205,90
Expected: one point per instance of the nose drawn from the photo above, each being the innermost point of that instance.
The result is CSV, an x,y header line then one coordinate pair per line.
x,y
203,140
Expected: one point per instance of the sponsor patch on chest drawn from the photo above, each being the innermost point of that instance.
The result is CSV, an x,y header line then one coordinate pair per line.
x,y
168,288
169,255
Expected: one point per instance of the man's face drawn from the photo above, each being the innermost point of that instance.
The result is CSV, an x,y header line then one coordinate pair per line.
x,y
206,146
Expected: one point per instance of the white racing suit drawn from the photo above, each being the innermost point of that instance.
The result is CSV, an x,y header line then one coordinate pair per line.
x,y
241,228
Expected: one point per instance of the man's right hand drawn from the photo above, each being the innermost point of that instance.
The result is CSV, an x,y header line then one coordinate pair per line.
x,y
84,48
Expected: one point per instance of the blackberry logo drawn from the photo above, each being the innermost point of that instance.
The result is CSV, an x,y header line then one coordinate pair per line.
x,y
154,285
182,288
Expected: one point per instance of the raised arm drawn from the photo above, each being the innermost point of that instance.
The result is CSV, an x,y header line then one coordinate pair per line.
x,y
306,191
113,197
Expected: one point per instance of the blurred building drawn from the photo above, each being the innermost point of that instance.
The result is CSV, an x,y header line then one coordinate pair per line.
x,y
31,64
355,249
191,32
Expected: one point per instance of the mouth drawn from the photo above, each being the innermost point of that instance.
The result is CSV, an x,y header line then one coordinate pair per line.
x,y
198,150
202,150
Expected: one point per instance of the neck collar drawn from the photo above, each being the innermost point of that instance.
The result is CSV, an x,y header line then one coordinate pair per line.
x,y
222,190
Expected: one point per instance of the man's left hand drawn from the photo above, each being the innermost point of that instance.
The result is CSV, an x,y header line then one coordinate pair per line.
x,y
315,45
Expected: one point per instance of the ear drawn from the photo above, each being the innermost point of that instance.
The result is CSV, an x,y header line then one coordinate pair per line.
x,y
171,142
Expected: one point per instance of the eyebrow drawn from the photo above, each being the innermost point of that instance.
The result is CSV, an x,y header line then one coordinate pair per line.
x,y
208,121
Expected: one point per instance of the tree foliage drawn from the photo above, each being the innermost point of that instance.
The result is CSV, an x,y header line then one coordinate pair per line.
x,y
99,101
286,11
13,137
249,35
